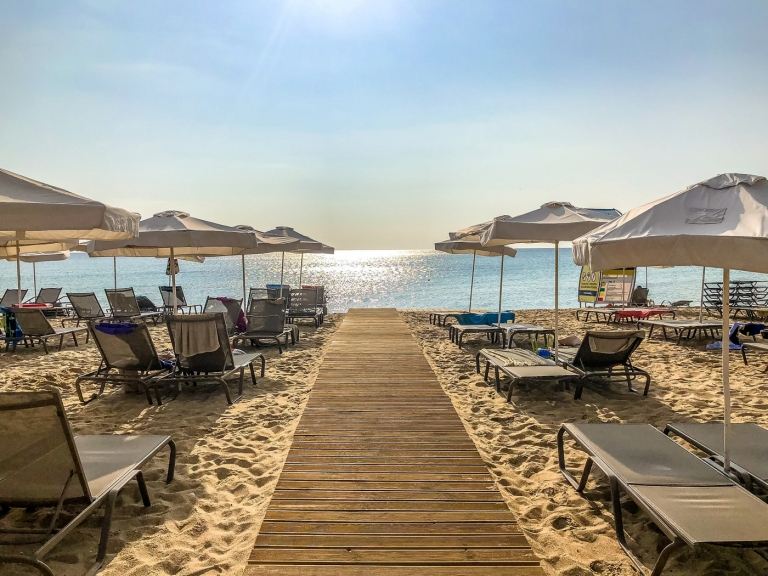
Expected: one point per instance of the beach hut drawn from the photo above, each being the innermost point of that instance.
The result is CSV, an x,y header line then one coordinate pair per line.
x,y
719,223
552,223
306,245
38,217
173,234
476,249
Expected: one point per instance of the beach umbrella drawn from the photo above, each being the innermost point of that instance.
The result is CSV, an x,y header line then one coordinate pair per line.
x,y
306,245
33,213
35,257
264,245
173,234
476,249
718,223
553,222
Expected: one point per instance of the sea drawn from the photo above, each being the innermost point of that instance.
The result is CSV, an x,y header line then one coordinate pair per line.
x,y
362,278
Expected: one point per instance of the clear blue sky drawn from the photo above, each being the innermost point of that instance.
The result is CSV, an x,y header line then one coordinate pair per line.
x,y
381,124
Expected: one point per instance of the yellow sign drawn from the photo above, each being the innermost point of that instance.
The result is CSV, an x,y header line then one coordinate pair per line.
x,y
589,285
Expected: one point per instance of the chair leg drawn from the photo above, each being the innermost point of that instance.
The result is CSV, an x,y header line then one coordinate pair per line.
x,y
143,489
253,373
106,524
41,566
580,484
171,462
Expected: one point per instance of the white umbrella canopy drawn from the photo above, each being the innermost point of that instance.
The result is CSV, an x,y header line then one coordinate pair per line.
x,y
553,222
172,234
719,223
35,213
306,245
265,245
476,249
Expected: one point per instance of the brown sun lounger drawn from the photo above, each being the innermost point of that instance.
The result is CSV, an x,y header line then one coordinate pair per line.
x,y
86,307
606,356
749,448
266,322
230,307
43,464
166,293
128,356
203,353
35,327
11,297
689,501
124,305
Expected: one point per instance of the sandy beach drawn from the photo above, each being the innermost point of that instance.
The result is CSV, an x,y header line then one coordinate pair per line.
x,y
229,459
574,536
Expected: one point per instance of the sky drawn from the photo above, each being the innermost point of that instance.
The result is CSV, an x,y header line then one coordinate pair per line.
x,y
381,124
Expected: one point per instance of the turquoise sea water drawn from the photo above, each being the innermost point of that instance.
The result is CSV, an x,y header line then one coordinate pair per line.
x,y
361,278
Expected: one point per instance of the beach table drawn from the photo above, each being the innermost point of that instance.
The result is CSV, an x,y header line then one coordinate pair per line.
x,y
687,329
534,332
456,332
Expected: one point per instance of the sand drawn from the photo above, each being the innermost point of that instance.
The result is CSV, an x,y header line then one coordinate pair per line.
x,y
573,535
229,460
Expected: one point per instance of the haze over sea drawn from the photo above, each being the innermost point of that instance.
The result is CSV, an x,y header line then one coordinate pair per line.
x,y
360,278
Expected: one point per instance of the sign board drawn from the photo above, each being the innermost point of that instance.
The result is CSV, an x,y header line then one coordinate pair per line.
x,y
589,285
616,285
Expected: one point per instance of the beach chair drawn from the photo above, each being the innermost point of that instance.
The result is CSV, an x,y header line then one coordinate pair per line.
x,y
607,356
49,296
640,297
749,448
166,293
43,464
232,308
35,327
266,321
128,356
689,501
322,297
304,305
520,365
86,307
757,347
123,305
11,297
204,355
264,294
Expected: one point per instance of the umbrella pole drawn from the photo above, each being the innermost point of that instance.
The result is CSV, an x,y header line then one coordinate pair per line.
x,y
18,274
282,268
726,358
301,268
34,278
557,296
114,274
472,281
242,261
173,283
501,284
701,301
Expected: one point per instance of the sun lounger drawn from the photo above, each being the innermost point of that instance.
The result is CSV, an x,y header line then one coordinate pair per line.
x,y
610,314
439,318
47,296
749,448
86,307
11,298
687,329
606,355
166,293
203,353
689,501
756,346
128,356
124,305
534,332
303,304
45,465
232,309
520,365
456,332
35,327
322,297
266,321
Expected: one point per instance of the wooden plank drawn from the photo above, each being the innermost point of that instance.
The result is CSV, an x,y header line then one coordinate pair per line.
x,y
382,477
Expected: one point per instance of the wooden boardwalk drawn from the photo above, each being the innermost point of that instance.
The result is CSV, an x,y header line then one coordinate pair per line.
x,y
382,478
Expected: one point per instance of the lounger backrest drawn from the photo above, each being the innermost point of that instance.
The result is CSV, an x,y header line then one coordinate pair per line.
x,y
123,302
256,294
266,315
33,322
303,300
320,293
86,305
601,350
166,292
11,298
126,346
277,291
38,457
639,296
200,342
48,296
230,307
